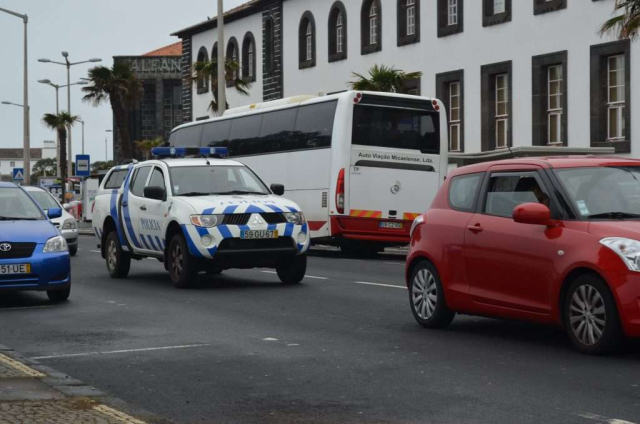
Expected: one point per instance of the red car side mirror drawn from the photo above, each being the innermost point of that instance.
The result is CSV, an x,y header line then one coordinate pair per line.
x,y
533,213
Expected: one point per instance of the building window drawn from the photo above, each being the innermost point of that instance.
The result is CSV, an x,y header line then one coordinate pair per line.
x,y
497,95
610,91
269,47
307,41
232,54
549,95
202,82
496,12
545,6
408,22
12,164
502,109
337,32
452,12
450,90
371,26
616,100
249,57
450,17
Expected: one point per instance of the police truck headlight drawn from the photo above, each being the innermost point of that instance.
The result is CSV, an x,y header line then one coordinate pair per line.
x,y
206,221
627,249
296,218
69,224
55,244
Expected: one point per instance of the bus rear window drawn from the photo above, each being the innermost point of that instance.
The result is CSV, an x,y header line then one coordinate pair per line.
x,y
411,129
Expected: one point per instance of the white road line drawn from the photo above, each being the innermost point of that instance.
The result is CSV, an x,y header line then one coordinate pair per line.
x,y
95,251
380,285
29,307
395,263
268,272
603,419
315,278
112,352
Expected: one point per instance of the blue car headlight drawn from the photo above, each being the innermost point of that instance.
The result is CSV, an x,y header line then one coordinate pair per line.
x,y
56,244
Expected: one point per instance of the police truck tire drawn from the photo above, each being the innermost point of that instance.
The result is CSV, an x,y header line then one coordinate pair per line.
x,y
292,270
118,261
183,269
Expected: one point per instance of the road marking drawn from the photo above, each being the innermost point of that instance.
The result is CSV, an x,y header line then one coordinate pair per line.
x,y
268,272
315,278
395,263
602,419
112,352
380,285
20,366
269,339
29,307
120,416
95,251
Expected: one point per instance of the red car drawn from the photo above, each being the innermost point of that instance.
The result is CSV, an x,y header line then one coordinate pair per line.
x,y
552,240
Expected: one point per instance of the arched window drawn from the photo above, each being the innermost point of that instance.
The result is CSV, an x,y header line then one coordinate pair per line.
x,y
268,45
307,41
232,54
408,22
249,57
337,32
202,82
371,24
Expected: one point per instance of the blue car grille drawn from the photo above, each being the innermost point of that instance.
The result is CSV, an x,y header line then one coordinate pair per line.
x,y
18,250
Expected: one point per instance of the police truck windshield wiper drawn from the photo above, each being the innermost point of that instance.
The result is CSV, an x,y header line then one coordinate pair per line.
x,y
614,215
240,192
194,194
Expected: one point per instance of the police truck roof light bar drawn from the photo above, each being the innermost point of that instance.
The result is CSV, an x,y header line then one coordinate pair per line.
x,y
181,152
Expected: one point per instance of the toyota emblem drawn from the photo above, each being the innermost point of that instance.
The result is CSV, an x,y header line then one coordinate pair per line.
x,y
5,247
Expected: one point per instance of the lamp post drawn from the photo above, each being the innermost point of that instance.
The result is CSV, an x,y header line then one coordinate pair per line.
x,y
57,88
106,156
26,141
23,165
69,64
82,122
222,80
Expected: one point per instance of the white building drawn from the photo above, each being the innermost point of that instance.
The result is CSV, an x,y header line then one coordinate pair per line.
x,y
13,158
511,73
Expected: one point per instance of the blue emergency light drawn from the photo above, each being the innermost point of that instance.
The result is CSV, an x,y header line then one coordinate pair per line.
x,y
182,152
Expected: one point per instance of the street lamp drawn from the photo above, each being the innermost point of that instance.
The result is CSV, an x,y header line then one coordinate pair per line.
x,y
69,64
106,156
222,95
26,146
82,122
57,88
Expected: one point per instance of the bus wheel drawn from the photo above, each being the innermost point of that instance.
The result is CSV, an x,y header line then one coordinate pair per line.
x,y
183,269
292,270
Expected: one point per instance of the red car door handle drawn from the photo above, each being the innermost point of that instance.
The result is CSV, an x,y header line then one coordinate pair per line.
x,y
475,228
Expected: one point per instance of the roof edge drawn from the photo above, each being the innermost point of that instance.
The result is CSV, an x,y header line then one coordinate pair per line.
x,y
244,10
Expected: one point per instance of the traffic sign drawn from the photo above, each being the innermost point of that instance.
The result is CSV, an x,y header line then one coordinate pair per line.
x,y
18,174
83,166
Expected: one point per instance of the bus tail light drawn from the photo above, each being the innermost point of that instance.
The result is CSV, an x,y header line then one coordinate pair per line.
x,y
340,192
436,106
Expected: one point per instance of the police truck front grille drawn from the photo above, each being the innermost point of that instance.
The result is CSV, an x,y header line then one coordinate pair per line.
x,y
18,250
274,218
236,219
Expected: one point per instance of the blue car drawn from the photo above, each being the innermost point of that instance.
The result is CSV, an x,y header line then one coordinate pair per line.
x,y
33,253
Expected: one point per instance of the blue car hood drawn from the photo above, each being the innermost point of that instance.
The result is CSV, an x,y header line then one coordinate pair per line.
x,y
27,231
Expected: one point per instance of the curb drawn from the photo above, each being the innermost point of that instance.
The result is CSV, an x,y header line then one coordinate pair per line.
x,y
68,390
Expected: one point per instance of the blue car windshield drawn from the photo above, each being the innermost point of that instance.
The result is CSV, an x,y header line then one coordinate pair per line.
x,y
16,205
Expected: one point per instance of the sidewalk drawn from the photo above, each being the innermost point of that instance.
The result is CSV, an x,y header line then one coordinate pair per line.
x,y
33,393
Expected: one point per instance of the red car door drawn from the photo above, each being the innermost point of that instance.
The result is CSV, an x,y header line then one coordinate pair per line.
x,y
509,264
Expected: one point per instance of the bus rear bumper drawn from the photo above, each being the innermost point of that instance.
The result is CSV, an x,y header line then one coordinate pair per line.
x,y
369,229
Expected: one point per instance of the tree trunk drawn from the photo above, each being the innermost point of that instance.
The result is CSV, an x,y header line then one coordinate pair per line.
x,y
122,126
62,136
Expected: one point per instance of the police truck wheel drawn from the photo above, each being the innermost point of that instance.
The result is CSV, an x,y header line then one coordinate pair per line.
x,y
292,270
59,295
118,261
182,266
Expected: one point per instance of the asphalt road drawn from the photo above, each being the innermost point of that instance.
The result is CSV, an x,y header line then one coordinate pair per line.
x,y
243,348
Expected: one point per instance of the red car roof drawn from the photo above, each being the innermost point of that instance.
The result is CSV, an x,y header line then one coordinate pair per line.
x,y
551,162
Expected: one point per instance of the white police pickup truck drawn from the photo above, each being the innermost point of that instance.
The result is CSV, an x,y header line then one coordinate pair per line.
x,y
195,211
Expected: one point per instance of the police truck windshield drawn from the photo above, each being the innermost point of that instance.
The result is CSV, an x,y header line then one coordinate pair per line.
x,y
215,180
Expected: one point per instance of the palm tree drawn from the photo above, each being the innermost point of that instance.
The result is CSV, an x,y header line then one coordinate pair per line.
x,y
145,146
386,79
60,123
120,87
209,69
625,26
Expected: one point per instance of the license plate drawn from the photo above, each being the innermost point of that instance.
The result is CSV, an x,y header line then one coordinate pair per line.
x,y
393,225
15,269
259,234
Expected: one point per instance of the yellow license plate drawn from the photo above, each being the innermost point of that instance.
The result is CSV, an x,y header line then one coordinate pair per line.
x,y
259,234
15,269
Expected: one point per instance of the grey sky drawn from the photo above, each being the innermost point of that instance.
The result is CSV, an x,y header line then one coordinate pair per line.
x,y
86,29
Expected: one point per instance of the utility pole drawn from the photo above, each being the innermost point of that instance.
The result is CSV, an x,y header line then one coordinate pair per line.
x,y
222,81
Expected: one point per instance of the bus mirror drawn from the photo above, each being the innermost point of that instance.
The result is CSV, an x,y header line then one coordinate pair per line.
x,y
278,189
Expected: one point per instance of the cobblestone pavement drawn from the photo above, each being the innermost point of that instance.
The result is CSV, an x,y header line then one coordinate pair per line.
x,y
34,394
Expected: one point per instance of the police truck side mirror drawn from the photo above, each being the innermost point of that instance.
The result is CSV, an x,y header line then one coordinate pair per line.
x,y
154,192
278,189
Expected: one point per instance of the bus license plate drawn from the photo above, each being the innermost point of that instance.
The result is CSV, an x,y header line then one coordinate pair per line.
x,y
15,269
392,225
259,234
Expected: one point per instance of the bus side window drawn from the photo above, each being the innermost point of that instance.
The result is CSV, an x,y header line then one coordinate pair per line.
x,y
277,132
315,125
216,134
245,135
